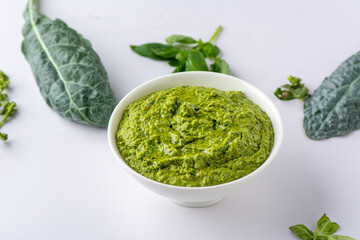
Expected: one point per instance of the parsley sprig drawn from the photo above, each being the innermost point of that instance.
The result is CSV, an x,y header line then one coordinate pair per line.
x,y
7,109
294,90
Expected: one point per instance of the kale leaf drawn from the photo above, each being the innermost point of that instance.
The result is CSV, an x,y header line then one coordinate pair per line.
x,y
69,73
334,108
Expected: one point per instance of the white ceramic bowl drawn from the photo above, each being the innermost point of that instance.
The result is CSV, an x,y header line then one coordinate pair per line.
x,y
196,196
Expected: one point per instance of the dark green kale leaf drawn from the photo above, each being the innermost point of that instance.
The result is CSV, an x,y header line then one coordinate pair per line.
x,y
69,73
334,108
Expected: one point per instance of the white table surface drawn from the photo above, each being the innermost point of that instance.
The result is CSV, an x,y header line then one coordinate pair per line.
x,y
59,180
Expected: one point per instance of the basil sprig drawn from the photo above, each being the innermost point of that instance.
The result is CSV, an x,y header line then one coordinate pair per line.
x,y
185,53
325,229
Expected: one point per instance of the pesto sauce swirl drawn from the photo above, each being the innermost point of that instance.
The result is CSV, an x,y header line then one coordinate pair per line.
x,y
194,136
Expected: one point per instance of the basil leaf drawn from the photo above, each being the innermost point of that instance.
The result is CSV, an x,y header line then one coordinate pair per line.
x,y
220,66
180,68
325,226
300,92
334,108
174,62
165,51
334,237
155,51
175,38
195,61
209,50
182,56
68,71
302,232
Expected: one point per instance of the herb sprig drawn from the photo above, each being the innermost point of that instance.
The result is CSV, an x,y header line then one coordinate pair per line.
x,y
8,108
325,229
294,90
186,54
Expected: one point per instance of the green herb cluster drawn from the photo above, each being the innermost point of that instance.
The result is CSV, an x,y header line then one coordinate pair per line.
x,y
325,229
185,53
7,109
294,90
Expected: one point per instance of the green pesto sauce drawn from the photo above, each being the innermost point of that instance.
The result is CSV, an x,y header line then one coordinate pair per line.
x,y
194,136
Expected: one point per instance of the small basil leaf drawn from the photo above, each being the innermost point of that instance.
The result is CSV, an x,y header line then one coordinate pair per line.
x,y
220,66
334,237
300,92
175,38
174,62
283,94
149,49
182,56
195,61
325,226
287,86
180,68
215,67
200,44
209,50
302,232
167,53
294,80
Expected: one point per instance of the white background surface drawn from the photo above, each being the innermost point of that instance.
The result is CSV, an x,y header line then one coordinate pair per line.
x,y
59,180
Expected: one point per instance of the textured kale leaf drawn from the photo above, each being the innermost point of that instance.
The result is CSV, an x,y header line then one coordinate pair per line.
x,y
69,73
334,108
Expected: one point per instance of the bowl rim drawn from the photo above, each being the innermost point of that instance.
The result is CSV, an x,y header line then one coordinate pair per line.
x,y
278,136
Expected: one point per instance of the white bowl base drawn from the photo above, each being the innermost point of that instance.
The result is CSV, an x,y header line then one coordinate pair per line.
x,y
197,204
